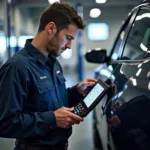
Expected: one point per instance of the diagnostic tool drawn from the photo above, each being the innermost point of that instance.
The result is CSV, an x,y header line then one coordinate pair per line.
x,y
93,97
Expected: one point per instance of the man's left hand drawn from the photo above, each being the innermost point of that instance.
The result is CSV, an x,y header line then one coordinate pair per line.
x,y
84,87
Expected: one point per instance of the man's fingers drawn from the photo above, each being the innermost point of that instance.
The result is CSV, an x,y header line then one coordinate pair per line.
x,y
88,83
75,117
72,115
91,79
69,109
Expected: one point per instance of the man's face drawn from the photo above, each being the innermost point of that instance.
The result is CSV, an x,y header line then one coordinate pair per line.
x,y
61,41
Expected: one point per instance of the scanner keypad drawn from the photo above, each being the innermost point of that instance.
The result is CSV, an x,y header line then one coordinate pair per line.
x,y
78,109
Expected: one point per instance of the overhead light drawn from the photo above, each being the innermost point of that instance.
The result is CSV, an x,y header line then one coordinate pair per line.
x,y
95,12
53,1
100,1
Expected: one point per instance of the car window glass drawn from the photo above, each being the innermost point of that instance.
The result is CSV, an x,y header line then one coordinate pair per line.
x,y
116,49
138,41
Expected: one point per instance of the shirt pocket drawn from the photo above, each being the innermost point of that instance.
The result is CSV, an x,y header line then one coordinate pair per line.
x,y
46,96
62,91
44,87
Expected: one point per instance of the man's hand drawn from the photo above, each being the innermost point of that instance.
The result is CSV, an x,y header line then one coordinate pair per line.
x,y
84,87
65,118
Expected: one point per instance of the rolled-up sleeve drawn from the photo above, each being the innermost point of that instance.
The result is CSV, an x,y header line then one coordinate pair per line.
x,y
14,123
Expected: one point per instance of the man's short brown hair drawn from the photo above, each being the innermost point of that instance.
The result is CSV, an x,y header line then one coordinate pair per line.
x,y
62,14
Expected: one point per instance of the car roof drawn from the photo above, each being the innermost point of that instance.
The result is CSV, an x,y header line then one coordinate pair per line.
x,y
142,3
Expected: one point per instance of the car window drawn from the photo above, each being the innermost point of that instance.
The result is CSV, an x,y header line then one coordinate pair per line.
x,y
115,53
138,41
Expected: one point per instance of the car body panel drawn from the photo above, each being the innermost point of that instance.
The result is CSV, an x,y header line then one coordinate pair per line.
x,y
122,118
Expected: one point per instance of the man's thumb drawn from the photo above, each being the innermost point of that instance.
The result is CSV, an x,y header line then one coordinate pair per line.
x,y
69,109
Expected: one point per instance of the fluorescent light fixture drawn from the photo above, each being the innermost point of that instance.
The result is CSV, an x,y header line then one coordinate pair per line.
x,y
3,47
22,40
98,31
100,1
13,41
95,13
3,44
53,1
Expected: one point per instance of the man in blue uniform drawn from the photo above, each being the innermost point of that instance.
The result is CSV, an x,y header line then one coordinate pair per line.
x,y
36,107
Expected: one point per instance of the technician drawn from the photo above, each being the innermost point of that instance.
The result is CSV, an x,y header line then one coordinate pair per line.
x,y
35,106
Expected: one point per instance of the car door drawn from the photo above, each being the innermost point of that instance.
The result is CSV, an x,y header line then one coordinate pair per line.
x,y
105,71
128,109
129,56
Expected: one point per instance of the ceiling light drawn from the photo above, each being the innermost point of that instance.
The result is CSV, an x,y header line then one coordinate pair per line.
x,y
53,1
100,1
95,12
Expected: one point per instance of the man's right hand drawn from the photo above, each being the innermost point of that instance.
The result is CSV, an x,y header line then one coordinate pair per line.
x,y
65,118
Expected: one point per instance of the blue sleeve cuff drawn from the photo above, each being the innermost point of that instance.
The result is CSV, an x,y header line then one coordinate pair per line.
x,y
49,118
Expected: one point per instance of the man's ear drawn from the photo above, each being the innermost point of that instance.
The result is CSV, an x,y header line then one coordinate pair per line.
x,y
51,28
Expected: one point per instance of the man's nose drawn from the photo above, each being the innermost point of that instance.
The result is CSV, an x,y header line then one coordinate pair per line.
x,y
68,45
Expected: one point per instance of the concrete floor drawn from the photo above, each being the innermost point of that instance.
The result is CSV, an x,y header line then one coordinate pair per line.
x,y
81,138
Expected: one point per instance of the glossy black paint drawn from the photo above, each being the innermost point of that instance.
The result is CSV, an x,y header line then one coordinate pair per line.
x,y
122,119
96,56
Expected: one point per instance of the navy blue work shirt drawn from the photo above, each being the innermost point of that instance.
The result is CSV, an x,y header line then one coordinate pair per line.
x,y
32,87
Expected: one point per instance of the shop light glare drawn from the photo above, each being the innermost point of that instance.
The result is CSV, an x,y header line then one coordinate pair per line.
x,y
149,86
143,47
95,12
53,1
100,1
138,72
146,15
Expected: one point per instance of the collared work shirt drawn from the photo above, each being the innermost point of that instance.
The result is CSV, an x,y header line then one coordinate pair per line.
x,y
32,87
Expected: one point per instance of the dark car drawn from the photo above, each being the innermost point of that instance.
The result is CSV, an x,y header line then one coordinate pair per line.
x,y
122,118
